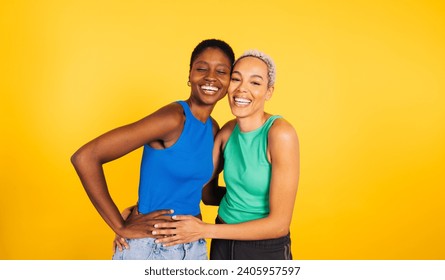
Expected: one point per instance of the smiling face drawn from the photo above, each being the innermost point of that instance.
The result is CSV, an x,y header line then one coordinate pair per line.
x,y
209,76
248,90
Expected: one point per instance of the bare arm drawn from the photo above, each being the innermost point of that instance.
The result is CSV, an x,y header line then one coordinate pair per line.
x,y
132,218
119,242
212,193
284,156
159,128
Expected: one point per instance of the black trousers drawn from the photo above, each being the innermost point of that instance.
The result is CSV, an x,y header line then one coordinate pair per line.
x,y
267,249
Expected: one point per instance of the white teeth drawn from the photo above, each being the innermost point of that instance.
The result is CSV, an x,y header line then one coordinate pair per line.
x,y
209,88
242,100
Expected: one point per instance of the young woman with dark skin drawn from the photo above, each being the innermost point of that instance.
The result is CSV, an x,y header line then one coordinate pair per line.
x,y
259,153
171,132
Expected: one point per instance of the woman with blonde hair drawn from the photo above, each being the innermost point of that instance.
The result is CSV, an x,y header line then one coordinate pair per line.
x,y
259,154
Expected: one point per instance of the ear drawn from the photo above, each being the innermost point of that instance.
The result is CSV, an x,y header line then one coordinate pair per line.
x,y
269,93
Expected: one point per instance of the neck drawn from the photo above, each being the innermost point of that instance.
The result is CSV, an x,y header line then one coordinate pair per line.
x,y
200,111
251,123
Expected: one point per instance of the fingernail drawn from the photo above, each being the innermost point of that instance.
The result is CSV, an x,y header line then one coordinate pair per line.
x,y
174,217
172,211
155,226
154,232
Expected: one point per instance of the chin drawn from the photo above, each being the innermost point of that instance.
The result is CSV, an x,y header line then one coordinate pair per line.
x,y
210,98
208,101
239,113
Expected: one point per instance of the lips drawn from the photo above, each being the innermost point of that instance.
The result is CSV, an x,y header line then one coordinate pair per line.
x,y
208,89
240,101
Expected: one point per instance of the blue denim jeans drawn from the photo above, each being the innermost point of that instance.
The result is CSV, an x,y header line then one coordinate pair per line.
x,y
147,249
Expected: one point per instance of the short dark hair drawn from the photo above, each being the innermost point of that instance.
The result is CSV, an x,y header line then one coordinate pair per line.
x,y
213,43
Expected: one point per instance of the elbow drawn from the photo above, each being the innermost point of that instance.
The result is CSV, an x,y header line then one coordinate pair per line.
x,y
279,230
79,158
75,158
277,233
211,196
208,201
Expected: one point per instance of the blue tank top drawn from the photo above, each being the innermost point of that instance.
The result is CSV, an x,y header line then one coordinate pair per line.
x,y
172,178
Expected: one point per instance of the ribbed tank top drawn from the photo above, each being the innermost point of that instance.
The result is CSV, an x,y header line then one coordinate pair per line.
x,y
247,174
173,178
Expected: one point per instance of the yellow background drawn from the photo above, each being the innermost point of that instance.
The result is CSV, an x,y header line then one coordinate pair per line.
x,y
361,81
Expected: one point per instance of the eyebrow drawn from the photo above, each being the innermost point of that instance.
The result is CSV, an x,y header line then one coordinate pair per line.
x,y
253,76
205,62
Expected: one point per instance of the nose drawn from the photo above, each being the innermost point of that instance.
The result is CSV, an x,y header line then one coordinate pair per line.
x,y
239,89
211,76
242,87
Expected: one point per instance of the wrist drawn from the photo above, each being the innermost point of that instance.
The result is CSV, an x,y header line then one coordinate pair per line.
x,y
209,231
120,228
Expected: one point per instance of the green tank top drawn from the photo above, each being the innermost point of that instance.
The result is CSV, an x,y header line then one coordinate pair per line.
x,y
247,174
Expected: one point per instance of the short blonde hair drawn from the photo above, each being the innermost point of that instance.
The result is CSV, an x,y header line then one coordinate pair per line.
x,y
271,69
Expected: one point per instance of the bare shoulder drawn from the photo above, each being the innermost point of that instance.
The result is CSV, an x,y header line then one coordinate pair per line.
x,y
165,124
228,126
215,126
172,112
227,129
225,132
170,116
283,144
282,130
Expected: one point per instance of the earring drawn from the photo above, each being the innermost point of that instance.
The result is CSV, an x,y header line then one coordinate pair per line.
x,y
189,84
